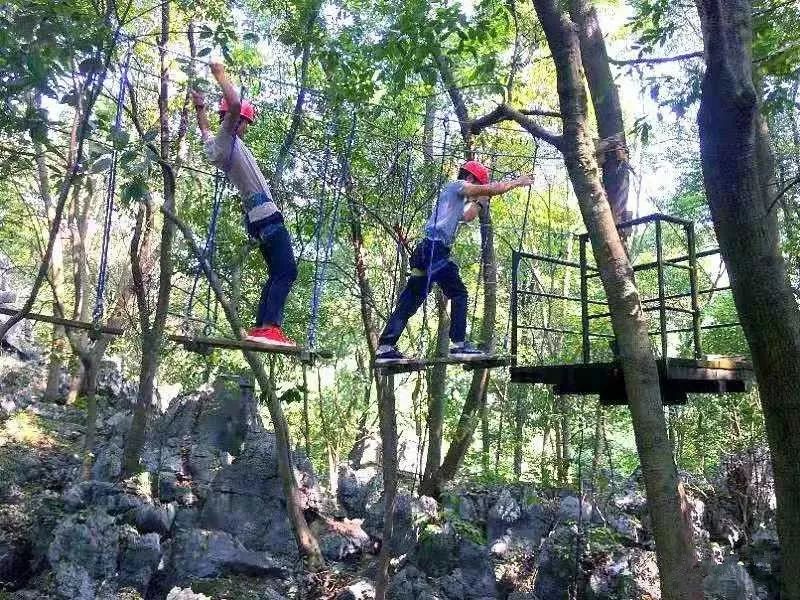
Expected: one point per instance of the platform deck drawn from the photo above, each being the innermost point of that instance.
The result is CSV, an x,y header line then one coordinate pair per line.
x,y
678,376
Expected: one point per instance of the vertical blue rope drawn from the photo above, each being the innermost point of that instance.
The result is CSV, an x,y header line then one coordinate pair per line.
x,y
318,285
210,243
111,187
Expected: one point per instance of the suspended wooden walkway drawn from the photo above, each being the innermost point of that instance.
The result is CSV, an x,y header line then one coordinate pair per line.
x,y
408,365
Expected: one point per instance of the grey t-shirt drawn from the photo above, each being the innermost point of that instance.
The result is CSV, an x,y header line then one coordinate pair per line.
x,y
228,152
443,222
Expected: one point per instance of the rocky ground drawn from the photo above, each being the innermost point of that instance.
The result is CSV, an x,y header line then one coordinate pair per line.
x,y
207,517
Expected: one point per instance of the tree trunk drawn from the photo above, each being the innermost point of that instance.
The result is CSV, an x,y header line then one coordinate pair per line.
x,y
486,436
565,437
437,382
437,390
737,176
680,577
153,335
597,454
58,345
518,393
476,398
307,543
386,399
612,149
81,130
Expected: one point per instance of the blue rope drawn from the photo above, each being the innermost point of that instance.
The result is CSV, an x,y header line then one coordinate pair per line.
x,y
404,204
316,298
207,255
111,187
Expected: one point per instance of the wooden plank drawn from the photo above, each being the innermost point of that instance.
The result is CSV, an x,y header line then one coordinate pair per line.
x,y
408,365
232,344
68,323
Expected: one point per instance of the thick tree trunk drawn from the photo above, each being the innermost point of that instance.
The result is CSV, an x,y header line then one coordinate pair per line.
x,y
612,149
737,175
680,577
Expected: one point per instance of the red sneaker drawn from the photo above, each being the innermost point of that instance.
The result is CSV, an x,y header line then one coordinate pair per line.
x,y
270,336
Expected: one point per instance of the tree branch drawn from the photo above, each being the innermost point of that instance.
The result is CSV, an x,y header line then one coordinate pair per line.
x,y
504,112
655,60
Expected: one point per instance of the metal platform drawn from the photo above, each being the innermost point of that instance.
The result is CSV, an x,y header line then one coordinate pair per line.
x,y
204,345
409,365
679,377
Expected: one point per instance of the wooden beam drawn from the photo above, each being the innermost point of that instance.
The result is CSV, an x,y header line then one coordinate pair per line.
x,y
232,344
68,323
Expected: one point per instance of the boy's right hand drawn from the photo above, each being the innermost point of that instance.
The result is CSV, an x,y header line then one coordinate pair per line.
x,y
198,99
217,68
525,180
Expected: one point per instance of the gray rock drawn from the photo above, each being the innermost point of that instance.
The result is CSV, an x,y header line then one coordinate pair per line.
x,y
101,495
342,540
476,571
154,519
729,581
411,514
410,584
556,564
571,509
15,560
358,590
246,499
356,487
177,593
198,553
515,527
139,560
84,552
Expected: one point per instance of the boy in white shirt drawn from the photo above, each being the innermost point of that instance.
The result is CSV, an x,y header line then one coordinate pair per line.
x,y
228,151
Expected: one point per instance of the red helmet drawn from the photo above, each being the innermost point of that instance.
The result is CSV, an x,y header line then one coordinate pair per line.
x,y
248,112
477,170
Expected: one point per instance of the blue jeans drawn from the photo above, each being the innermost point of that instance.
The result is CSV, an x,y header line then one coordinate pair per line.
x,y
276,248
433,258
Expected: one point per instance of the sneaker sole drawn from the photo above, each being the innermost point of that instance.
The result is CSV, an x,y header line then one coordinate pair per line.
x,y
266,342
468,356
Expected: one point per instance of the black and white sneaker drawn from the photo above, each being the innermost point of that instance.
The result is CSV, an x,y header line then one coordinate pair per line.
x,y
466,350
387,354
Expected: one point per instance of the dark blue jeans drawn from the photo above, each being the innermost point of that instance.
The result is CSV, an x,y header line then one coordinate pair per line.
x,y
276,248
433,258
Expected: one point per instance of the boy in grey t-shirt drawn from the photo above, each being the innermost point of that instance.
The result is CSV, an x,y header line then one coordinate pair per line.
x,y
264,221
459,200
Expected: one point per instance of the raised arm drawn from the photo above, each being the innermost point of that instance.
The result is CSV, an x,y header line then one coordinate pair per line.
x,y
199,102
228,92
474,190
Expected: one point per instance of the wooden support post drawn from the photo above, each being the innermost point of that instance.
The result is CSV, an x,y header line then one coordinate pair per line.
x,y
585,349
692,243
662,308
